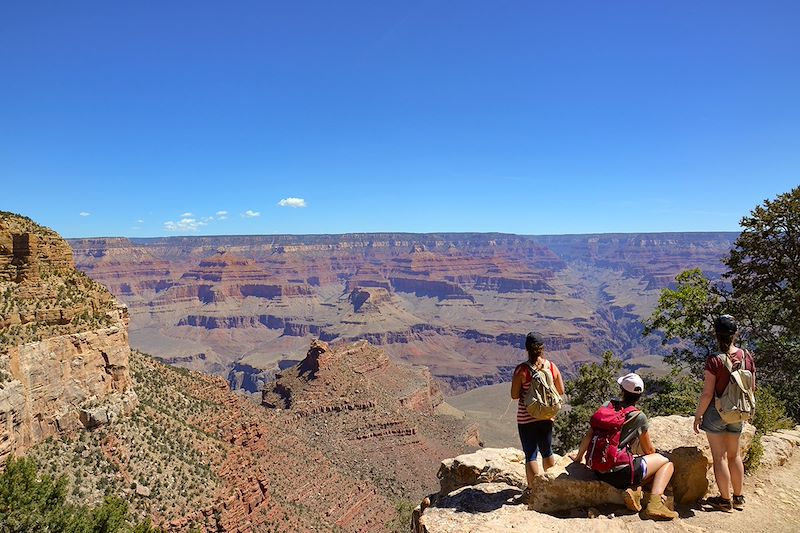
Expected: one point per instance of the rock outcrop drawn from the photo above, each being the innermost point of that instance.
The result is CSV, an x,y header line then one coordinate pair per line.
x,y
482,491
779,446
370,411
63,341
690,453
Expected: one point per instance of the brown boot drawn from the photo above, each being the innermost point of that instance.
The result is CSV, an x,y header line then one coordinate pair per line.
x,y
633,499
658,510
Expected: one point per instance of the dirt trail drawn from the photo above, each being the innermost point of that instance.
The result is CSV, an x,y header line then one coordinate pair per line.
x,y
773,506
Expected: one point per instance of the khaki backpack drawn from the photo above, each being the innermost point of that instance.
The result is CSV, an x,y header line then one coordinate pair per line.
x,y
542,399
738,402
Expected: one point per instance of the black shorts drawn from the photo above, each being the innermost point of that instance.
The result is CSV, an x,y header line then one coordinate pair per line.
x,y
536,437
622,478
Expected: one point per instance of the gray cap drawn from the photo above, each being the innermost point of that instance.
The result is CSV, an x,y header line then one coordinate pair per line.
x,y
533,339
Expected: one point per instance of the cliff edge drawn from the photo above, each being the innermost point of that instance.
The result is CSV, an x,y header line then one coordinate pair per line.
x,y
64,353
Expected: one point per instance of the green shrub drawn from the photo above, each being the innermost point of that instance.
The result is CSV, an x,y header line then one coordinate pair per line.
x,y
770,414
752,458
33,502
674,394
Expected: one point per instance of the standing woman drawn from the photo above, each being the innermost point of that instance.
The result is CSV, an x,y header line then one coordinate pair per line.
x,y
723,438
535,435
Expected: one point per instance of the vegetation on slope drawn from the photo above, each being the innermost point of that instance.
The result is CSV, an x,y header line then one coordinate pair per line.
x,y
33,502
155,459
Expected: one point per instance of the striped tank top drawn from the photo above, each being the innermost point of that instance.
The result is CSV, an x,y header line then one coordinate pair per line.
x,y
522,412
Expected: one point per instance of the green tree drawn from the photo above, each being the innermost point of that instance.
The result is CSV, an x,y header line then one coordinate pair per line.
x,y
761,288
595,384
33,502
685,315
764,272
673,394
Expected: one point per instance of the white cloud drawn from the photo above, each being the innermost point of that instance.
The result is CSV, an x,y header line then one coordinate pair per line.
x,y
222,215
187,215
292,202
184,224
84,214
140,221
251,214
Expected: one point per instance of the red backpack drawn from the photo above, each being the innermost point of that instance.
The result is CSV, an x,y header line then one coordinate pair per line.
x,y
604,452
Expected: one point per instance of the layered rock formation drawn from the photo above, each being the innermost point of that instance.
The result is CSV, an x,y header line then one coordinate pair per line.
x,y
63,341
458,303
347,437
370,411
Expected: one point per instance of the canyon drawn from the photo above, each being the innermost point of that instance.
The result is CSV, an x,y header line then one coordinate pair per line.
x,y
341,439
243,307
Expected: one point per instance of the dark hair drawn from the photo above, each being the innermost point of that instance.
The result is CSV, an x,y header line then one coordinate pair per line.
x,y
630,397
724,340
725,328
534,352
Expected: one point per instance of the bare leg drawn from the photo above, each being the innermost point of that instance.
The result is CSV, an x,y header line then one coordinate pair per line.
x,y
735,465
659,470
532,469
548,462
719,453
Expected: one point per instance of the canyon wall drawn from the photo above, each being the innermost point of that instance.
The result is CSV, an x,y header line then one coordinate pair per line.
x,y
63,341
457,303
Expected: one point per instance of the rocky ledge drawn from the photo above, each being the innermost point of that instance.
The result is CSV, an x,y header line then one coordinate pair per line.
x,y
64,353
482,491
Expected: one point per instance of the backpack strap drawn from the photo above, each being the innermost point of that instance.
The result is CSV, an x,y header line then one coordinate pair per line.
x,y
734,374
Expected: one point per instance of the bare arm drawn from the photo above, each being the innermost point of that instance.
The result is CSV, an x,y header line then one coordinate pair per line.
x,y
578,457
516,382
558,381
705,399
646,444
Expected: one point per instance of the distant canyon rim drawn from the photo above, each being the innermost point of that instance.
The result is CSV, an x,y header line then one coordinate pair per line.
x,y
459,303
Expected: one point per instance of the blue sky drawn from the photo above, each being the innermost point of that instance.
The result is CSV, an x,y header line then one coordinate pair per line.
x,y
155,118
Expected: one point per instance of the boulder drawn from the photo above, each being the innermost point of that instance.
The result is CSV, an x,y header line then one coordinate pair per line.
x,y
691,455
95,417
487,465
779,446
561,488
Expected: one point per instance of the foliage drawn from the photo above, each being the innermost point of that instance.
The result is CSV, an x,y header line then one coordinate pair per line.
x,y
674,394
764,271
30,502
687,313
402,522
570,427
762,292
595,384
754,454
770,414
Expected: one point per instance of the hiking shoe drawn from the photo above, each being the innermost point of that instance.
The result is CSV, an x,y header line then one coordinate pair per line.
x,y
657,509
738,502
720,503
633,499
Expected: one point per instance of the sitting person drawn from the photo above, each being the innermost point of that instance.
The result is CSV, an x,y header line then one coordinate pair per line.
x,y
614,430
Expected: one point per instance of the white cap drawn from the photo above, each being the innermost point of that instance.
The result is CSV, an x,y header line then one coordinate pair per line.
x,y
631,383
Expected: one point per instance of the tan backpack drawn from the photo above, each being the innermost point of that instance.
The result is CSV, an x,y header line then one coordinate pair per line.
x,y
542,399
738,402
